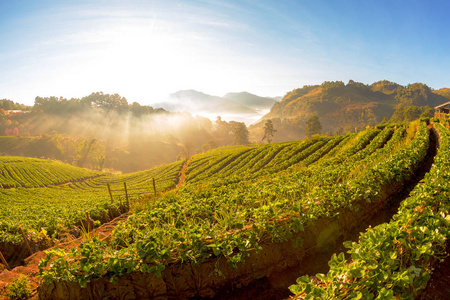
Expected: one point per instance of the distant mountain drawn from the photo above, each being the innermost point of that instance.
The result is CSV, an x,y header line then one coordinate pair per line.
x,y
352,105
251,100
243,107
445,92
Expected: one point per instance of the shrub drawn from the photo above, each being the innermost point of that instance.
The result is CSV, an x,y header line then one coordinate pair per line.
x,y
19,288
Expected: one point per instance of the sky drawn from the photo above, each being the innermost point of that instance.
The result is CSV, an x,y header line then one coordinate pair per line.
x,y
146,50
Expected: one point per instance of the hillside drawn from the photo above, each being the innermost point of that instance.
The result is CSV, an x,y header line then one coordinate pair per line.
x,y
240,211
344,107
41,194
104,131
33,172
444,92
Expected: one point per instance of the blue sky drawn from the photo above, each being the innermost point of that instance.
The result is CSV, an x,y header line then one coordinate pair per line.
x,y
145,50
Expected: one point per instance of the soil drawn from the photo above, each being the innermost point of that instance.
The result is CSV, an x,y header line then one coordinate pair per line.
x,y
183,173
438,287
30,265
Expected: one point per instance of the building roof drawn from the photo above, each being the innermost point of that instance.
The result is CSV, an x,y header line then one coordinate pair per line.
x,y
442,105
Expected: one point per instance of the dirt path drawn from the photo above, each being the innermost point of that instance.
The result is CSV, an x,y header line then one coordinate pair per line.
x,y
183,172
276,287
30,266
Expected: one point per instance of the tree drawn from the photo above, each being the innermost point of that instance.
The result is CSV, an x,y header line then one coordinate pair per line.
x,y
186,150
90,152
212,144
349,128
240,133
313,126
410,113
268,131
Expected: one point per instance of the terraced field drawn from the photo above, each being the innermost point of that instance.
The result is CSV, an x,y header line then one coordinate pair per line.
x,y
225,211
43,196
396,259
247,212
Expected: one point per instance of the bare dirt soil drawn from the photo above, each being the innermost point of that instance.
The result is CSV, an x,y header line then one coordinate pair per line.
x,y
30,266
438,287
183,173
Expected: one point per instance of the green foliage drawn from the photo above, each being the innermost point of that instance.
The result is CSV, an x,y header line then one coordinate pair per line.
x,y
19,289
99,100
414,94
52,196
356,105
240,133
268,131
330,85
410,113
313,126
295,94
394,260
11,105
82,152
34,172
385,86
223,217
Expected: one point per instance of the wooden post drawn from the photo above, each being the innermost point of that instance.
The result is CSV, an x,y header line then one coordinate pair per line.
x,y
154,187
88,222
110,193
26,241
120,203
4,261
126,194
111,213
105,216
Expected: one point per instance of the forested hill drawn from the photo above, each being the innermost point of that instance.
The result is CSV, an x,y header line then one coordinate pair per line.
x,y
339,105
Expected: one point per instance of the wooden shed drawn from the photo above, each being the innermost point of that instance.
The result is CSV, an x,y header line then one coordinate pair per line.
x,y
442,111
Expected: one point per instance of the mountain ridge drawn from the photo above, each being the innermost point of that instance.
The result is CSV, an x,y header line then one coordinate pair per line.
x,y
241,105
342,107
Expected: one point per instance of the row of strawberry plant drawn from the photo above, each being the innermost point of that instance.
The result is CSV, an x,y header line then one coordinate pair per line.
x,y
393,260
206,163
346,164
194,222
222,164
54,209
29,172
166,177
261,157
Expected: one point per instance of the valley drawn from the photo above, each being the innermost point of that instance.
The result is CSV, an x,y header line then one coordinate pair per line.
x,y
242,215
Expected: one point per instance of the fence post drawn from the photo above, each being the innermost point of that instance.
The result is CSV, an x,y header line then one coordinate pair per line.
x,y
26,241
110,193
154,187
120,203
126,194
4,261
88,222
